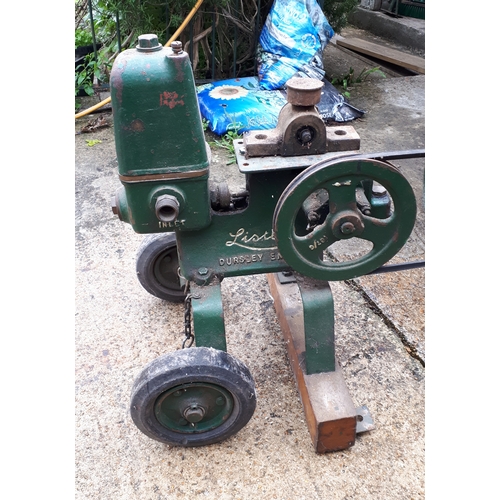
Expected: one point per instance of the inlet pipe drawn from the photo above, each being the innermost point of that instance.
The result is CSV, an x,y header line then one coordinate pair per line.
x,y
180,29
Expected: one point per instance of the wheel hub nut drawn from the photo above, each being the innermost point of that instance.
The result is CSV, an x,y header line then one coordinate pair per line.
x,y
347,228
194,413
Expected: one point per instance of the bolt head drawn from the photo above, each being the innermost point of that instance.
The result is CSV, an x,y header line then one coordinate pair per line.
x,y
194,414
148,43
306,136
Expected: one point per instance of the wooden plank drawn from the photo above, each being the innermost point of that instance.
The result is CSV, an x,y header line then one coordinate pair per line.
x,y
328,407
387,54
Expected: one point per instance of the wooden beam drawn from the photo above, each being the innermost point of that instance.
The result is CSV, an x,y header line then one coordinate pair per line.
x,y
328,407
387,54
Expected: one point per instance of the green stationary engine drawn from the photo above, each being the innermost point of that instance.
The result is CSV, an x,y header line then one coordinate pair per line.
x,y
307,189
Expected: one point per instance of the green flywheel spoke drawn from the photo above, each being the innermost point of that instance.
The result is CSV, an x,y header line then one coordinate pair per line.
x,y
313,244
342,194
379,231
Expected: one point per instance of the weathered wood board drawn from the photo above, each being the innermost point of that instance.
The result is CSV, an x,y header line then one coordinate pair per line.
x,y
387,54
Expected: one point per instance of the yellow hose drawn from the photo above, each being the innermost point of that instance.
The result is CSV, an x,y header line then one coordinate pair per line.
x,y
173,37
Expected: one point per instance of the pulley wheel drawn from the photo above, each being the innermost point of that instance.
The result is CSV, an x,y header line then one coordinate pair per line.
x,y
338,179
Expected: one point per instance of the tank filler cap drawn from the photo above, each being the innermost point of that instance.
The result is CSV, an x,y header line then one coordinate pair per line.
x,y
148,43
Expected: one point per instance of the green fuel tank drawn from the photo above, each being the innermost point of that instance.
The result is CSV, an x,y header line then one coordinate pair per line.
x,y
163,159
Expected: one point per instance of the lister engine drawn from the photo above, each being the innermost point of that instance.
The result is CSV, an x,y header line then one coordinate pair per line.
x,y
307,188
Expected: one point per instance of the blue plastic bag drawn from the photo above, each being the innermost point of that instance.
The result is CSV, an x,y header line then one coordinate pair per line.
x,y
239,104
292,42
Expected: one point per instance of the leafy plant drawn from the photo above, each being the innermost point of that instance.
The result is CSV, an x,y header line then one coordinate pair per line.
x,y
82,38
92,142
226,142
85,73
348,80
364,74
337,12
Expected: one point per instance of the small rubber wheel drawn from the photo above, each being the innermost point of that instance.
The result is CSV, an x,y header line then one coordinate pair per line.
x,y
157,267
193,397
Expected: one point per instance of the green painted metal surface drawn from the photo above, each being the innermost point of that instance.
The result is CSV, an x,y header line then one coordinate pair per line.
x,y
317,301
194,407
159,137
208,316
414,8
239,242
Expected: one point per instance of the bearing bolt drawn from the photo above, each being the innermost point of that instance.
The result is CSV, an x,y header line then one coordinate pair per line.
x,y
202,271
347,228
305,136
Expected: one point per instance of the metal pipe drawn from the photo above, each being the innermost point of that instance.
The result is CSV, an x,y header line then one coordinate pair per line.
x,y
94,43
212,67
235,40
256,38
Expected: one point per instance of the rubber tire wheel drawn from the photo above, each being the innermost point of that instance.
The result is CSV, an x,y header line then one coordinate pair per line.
x,y
155,248
192,366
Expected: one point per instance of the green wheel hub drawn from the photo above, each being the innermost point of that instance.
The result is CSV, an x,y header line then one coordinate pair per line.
x,y
195,407
303,251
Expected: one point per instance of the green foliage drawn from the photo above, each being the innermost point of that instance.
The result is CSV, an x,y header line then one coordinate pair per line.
x,y
226,141
337,12
90,69
82,38
348,80
92,142
236,31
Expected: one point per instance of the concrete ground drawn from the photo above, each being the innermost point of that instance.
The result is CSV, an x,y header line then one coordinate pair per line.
x,y
380,342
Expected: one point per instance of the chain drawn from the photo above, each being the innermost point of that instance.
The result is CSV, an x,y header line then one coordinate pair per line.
x,y
188,341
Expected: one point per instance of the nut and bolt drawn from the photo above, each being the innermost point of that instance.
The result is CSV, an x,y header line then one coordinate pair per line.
x,y
306,136
378,191
202,271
